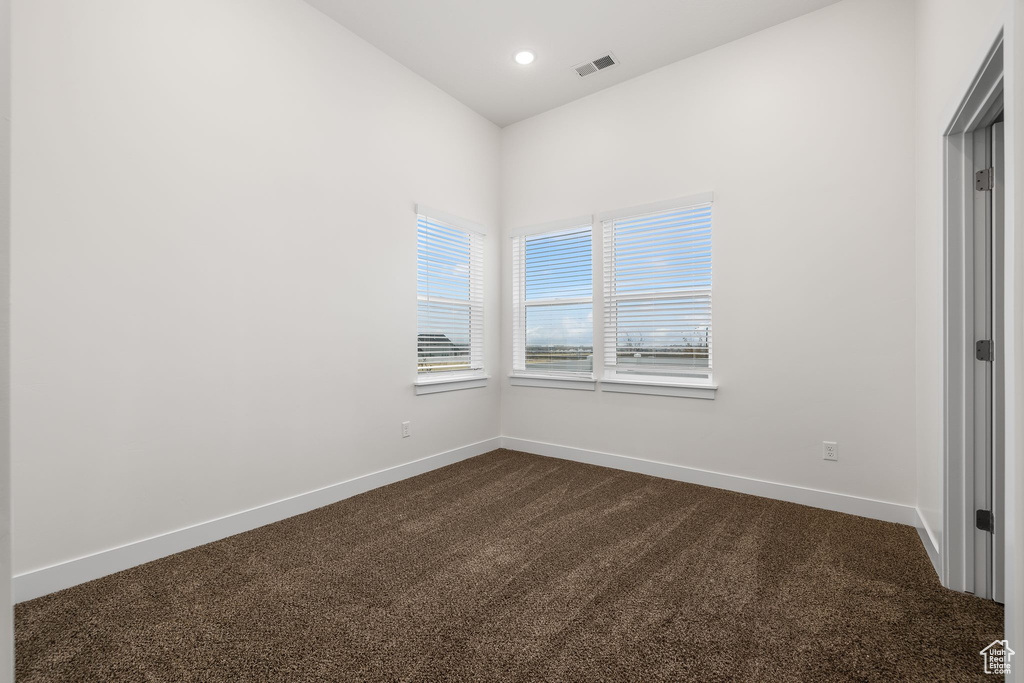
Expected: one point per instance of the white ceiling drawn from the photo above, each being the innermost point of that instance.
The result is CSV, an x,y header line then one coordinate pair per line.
x,y
465,47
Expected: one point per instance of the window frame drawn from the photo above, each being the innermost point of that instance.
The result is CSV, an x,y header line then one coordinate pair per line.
x,y
612,378
520,375
475,376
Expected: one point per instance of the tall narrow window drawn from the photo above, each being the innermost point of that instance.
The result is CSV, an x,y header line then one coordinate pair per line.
x,y
450,308
552,290
657,293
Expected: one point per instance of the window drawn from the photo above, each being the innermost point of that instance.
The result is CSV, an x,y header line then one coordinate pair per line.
x,y
450,304
657,295
553,304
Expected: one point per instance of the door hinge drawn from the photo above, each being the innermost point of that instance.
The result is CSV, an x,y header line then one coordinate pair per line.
x,y
985,521
983,350
983,180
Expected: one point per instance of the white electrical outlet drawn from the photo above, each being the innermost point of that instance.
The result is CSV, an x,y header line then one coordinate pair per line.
x,y
405,430
830,451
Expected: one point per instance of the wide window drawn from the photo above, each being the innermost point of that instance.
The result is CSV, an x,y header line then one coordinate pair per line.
x,y
657,294
552,296
450,303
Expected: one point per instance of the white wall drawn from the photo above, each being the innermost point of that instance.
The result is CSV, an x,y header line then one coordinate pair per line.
x,y
953,37
804,133
214,277
1015,399
6,613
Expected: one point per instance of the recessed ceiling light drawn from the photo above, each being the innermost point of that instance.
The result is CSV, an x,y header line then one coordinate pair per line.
x,y
525,57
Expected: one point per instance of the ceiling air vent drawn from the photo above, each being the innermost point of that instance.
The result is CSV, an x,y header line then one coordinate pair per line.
x,y
586,68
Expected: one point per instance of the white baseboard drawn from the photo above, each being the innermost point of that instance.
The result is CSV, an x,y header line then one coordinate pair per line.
x,y
930,545
40,582
827,500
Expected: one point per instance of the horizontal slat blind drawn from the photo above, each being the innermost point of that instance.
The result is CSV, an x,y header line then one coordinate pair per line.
x,y
552,295
450,302
518,309
657,293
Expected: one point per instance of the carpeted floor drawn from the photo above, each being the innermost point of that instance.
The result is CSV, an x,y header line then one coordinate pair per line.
x,y
514,567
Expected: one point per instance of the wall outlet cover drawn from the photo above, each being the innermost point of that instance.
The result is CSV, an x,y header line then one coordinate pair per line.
x,y
830,451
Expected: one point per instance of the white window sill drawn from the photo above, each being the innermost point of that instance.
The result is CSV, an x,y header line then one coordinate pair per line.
x,y
655,387
577,383
438,385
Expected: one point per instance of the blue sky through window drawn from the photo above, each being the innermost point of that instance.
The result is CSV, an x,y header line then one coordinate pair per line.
x,y
559,266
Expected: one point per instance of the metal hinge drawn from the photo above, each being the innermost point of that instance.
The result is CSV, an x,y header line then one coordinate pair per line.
x,y
983,350
985,520
983,180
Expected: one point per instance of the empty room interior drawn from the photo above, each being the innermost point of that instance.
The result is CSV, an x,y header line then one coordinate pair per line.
x,y
564,340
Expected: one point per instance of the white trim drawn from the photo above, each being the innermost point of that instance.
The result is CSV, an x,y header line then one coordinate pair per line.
x,y
47,580
34,584
976,109
654,207
930,545
437,386
451,219
826,500
552,226
986,79
580,383
653,387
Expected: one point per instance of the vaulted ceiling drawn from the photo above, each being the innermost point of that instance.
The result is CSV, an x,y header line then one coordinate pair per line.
x,y
466,47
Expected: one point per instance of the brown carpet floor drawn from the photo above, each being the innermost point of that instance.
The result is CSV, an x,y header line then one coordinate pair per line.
x,y
514,567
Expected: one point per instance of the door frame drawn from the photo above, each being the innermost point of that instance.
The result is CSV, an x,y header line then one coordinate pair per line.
x,y
999,379
982,104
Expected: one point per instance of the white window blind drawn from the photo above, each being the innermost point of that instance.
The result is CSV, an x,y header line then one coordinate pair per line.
x,y
657,294
552,297
450,308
